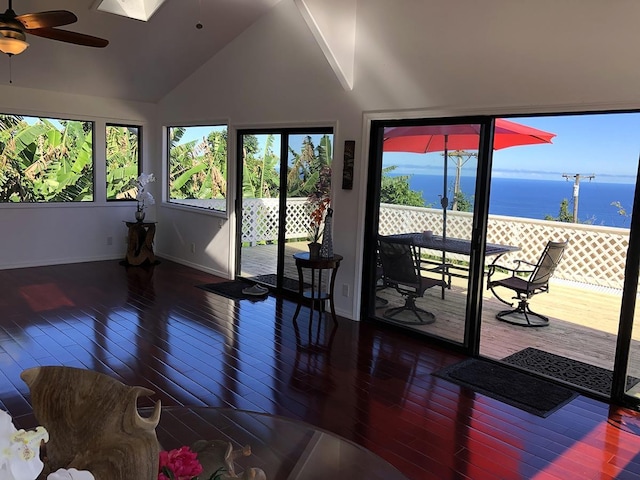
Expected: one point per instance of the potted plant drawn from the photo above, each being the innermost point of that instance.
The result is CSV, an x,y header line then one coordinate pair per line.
x,y
143,196
315,233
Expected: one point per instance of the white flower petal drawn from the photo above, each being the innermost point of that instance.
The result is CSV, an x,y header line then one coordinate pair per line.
x,y
28,470
71,474
6,425
20,450
144,179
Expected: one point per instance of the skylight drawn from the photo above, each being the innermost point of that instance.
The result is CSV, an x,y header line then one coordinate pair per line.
x,y
137,9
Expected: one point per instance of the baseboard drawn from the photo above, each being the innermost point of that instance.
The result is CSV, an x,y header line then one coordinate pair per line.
x,y
202,268
60,261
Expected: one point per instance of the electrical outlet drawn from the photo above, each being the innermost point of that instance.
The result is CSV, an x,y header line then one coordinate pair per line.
x,y
109,240
193,248
345,289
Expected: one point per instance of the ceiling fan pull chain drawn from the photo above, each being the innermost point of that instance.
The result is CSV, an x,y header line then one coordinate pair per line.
x,y
10,71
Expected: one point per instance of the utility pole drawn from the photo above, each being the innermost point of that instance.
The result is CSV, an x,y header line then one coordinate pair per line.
x,y
576,190
460,162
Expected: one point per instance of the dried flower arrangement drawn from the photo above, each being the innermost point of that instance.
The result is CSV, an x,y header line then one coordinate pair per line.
x,y
320,201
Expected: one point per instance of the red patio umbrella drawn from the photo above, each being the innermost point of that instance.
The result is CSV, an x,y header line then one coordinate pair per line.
x,y
437,138
444,137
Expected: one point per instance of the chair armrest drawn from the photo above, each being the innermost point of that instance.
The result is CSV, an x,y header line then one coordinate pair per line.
x,y
494,266
520,261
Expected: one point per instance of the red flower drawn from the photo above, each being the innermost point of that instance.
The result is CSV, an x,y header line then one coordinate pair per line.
x,y
179,464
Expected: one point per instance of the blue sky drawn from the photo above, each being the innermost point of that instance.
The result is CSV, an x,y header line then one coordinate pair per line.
x,y
606,145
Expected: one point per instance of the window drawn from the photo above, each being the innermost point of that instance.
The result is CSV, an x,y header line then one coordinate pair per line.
x,y
123,161
198,166
45,160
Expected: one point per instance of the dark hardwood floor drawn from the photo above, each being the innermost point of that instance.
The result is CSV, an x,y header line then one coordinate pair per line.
x,y
370,384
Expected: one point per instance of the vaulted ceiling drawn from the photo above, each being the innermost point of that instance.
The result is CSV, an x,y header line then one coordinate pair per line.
x,y
143,61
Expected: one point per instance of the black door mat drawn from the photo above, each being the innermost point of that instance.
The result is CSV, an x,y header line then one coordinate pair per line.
x,y
509,385
233,290
577,373
288,283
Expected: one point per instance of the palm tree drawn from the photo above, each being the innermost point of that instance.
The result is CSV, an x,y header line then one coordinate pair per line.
x,y
309,166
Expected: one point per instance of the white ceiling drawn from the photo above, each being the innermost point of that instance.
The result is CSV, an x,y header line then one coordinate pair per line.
x,y
143,61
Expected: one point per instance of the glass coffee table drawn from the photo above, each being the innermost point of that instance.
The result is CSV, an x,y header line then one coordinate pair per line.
x,y
281,447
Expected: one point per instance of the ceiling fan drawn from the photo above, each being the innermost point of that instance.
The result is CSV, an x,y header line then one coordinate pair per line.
x,y
13,28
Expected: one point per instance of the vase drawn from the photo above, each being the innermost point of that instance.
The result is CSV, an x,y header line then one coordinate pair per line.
x,y
314,250
326,250
139,215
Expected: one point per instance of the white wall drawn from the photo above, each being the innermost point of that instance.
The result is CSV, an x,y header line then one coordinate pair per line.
x,y
37,234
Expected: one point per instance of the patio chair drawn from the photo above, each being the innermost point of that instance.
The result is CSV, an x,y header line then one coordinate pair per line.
x,y
401,270
526,280
380,285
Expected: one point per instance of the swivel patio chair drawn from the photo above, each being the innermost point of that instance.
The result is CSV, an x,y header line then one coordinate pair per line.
x,y
401,270
380,285
526,280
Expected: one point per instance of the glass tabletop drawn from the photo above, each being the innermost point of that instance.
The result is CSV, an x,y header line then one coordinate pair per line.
x,y
283,448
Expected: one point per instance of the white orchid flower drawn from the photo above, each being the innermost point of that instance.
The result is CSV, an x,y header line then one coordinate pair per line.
x,y
20,450
71,474
145,178
145,198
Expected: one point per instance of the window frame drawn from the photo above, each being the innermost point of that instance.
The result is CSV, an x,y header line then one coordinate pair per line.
x,y
226,200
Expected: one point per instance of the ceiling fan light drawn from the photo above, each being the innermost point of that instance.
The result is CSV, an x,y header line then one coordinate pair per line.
x,y
12,46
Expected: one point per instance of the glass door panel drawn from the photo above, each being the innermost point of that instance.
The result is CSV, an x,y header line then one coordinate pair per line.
x,y
577,187
632,377
425,218
308,186
281,170
260,207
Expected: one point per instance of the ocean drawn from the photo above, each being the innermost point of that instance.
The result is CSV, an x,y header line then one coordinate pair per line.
x,y
516,197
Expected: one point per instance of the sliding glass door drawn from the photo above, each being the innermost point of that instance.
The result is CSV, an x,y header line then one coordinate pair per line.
x,y
577,188
278,169
423,190
457,218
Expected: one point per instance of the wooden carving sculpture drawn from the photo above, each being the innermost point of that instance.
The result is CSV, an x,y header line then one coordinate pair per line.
x,y
93,423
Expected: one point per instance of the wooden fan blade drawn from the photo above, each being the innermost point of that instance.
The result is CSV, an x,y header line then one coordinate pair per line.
x,y
69,37
53,18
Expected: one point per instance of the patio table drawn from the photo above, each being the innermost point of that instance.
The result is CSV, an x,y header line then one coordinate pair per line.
x,y
459,246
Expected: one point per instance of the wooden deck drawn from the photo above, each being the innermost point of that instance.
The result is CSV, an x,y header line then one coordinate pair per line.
x,y
583,320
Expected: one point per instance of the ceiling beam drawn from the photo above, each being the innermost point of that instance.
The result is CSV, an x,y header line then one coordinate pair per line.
x,y
333,25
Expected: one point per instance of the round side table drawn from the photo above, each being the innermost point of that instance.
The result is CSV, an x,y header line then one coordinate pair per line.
x,y
315,293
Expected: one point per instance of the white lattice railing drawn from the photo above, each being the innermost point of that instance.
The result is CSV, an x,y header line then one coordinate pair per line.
x,y
260,219
595,255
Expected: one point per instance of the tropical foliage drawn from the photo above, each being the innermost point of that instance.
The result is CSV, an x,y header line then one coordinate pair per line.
x,y
123,161
309,175
260,175
309,171
396,190
462,202
45,160
198,167
563,215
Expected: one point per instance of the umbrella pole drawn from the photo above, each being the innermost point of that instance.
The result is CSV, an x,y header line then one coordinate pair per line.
x,y
445,204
